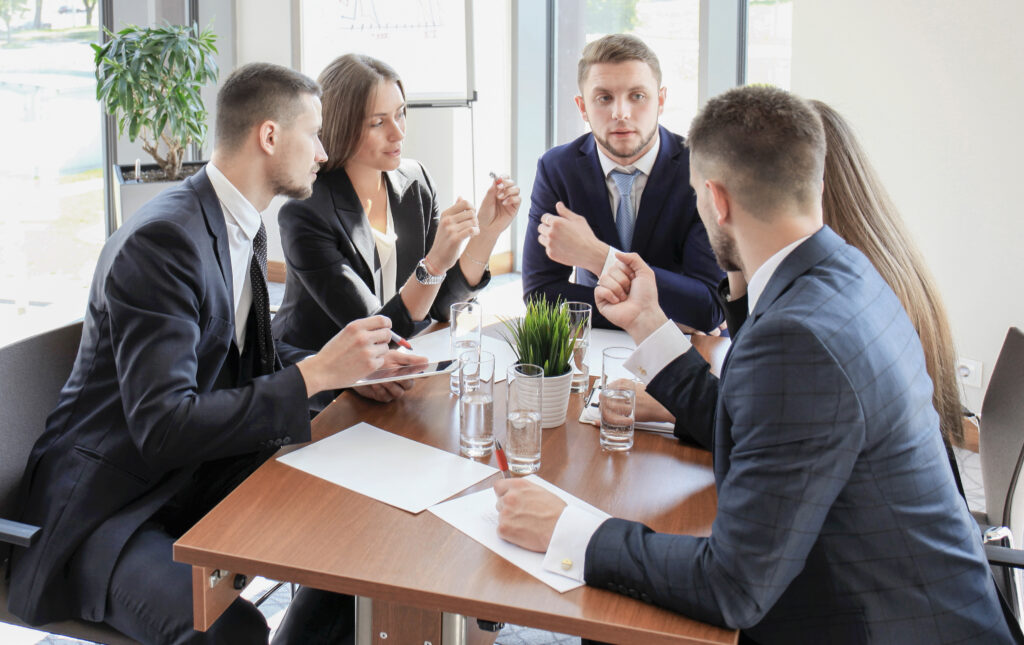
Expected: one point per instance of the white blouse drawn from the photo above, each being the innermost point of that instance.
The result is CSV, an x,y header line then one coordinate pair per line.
x,y
386,243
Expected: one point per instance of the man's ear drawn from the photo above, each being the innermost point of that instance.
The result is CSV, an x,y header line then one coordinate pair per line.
x,y
268,134
722,200
662,93
582,106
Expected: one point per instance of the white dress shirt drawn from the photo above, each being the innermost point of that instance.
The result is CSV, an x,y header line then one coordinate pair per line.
x,y
243,222
644,164
575,526
386,243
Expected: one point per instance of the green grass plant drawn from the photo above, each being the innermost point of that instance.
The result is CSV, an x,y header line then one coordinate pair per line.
x,y
543,337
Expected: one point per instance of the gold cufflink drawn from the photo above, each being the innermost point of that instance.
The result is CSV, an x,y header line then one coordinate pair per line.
x,y
642,371
566,564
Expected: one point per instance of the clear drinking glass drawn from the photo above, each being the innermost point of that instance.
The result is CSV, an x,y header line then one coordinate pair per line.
x,y
524,396
465,327
579,316
476,403
618,399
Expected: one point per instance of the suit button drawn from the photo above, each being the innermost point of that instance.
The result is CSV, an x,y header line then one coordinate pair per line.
x,y
633,594
622,589
644,597
286,441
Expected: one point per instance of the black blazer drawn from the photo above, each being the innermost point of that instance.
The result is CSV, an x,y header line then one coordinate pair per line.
x,y
333,264
156,390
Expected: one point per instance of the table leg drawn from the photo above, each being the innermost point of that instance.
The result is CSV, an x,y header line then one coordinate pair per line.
x,y
213,590
384,623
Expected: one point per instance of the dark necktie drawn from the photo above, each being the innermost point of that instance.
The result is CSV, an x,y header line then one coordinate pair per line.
x,y
264,342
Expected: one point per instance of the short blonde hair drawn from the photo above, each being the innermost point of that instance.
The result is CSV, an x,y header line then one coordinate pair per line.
x,y
616,48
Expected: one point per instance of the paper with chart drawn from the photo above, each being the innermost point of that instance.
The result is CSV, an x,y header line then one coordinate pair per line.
x,y
389,468
476,516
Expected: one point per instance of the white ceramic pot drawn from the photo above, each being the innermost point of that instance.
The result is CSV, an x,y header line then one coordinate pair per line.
x,y
556,400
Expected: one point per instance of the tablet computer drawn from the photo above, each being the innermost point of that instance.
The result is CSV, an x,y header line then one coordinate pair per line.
x,y
403,372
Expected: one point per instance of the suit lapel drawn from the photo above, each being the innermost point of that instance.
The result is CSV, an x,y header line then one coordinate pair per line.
x,y
350,214
405,210
596,208
215,225
664,178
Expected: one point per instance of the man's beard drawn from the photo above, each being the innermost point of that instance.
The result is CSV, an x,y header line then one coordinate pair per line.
x,y
283,185
725,250
631,153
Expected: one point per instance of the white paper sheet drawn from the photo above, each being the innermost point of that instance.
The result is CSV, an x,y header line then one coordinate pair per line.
x,y
395,470
601,339
591,414
476,516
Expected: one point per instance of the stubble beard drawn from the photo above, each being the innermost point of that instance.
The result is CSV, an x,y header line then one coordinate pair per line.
x,y
284,185
725,251
629,154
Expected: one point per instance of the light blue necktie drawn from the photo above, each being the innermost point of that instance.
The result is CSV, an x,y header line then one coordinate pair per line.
x,y
624,213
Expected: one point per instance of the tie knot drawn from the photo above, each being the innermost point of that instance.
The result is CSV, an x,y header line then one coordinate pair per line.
x,y
624,180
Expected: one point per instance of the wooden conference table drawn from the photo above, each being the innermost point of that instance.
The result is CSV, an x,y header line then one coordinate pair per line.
x,y
423,575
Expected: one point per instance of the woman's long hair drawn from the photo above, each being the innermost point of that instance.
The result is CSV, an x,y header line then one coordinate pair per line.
x,y
858,208
349,85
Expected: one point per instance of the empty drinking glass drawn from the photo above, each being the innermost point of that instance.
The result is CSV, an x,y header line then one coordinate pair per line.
x,y
618,399
579,319
465,326
476,403
524,396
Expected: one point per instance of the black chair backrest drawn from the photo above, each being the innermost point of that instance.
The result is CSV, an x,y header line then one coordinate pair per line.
x,y
1002,434
32,373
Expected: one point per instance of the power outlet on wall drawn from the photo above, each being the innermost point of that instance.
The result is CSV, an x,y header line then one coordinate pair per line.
x,y
968,371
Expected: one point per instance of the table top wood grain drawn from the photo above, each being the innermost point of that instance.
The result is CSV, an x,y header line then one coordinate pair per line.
x,y
285,524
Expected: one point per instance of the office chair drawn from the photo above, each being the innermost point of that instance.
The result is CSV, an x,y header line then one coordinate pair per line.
x,y
32,372
1001,448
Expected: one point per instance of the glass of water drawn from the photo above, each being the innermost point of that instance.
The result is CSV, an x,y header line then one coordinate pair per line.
x,y
465,327
579,319
618,399
476,403
524,396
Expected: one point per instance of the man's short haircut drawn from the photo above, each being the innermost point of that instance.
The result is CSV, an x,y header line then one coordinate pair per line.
x,y
350,84
765,145
616,48
255,93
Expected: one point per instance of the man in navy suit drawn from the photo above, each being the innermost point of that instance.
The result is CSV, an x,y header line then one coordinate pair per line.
x,y
623,186
838,519
177,392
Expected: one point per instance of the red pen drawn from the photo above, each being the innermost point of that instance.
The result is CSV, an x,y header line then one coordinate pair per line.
x,y
499,452
395,338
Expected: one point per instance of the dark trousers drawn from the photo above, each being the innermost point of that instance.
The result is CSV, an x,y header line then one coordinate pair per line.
x,y
150,600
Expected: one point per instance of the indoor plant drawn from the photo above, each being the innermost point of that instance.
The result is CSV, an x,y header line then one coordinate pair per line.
x,y
544,337
149,79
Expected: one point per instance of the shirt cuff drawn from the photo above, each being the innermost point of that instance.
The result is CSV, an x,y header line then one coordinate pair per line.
x,y
656,351
609,259
567,552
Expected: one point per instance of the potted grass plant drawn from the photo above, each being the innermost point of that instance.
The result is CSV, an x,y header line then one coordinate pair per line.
x,y
544,337
149,79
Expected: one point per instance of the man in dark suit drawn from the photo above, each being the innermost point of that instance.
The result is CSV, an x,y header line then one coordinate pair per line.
x,y
623,186
838,519
177,392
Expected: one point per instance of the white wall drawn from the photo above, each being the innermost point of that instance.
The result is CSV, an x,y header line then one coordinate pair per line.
x,y
934,89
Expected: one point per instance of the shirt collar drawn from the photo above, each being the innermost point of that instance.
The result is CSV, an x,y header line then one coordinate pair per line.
x,y
760,279
236,206
644,164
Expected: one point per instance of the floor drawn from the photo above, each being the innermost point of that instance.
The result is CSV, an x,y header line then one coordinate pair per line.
x,y
503,297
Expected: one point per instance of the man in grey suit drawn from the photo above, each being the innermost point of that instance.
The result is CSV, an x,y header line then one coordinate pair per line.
x,y
838,520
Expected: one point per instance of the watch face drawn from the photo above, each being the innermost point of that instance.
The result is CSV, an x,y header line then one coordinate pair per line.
x,y
423,276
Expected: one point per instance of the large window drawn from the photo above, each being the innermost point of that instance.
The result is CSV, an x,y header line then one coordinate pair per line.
x,y
769,42
51,176
670,27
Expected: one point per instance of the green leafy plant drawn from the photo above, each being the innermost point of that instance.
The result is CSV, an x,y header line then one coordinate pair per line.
x,y
543,337
149,79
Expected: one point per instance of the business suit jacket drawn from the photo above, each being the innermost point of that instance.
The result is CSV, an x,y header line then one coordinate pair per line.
x,y
838,520
668,233
333,264
157,389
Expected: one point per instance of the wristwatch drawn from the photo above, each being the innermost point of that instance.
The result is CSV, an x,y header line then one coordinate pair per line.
x,y
426,277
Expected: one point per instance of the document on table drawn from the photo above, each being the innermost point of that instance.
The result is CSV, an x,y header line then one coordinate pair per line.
x,y
436,346
601,339
476,516
591,414
389,468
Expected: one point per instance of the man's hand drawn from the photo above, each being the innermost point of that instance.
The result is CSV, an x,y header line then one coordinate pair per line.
x,y
355,351
391,390
627,296
527,513
455,225
569,240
